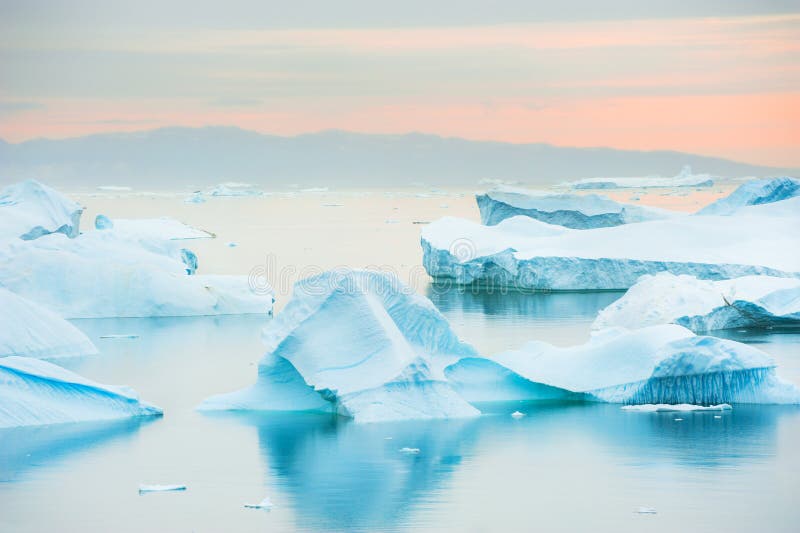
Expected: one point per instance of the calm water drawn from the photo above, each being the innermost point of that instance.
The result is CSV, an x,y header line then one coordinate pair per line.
x,y
561,468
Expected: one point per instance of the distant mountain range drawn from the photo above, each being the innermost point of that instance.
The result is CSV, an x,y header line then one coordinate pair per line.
x,y
179,158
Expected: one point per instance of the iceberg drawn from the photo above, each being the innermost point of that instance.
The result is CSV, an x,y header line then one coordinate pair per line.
x,y
527,254
358,343
754,192
234,189
675,408
30,209
30,330
664,364
113,273
705,305
684,179
35,392
568,210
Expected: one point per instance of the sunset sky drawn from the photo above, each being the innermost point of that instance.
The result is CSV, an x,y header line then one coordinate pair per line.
x,y
718,79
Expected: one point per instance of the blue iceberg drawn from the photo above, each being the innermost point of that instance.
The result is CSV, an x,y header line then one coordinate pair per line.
x,y
29,210
754,192
34,392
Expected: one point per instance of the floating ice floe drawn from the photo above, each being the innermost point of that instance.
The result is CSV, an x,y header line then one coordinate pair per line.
x,y
35,392
120,336
122,273
664,364
30,209
523,253
568,210
754,192
359,343
30,330
410,451
646,510
671,408
684,179
704,305
161,488
234,189
517,414
265,504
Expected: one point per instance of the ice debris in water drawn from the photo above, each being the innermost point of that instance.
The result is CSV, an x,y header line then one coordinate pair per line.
x,y
265,504
517,414
410,451
682,407
120,336
646,510
161,488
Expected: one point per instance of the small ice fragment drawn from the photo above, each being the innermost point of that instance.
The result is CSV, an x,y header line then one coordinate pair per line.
x,y
717,416
161,488
266,503
103,222
678,419
646,510
231,245
410,451
120,336
517,414
387,438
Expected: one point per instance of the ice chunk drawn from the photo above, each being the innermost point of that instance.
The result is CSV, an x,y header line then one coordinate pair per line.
x,y
161,488
360,343
120,336
684,179
30,209
35,392
704,305
754,192
265,504
658,364
30,330
517,414
103,222
234,189
646,510
195,198
681,407
113,273
568,210
524,253
410,451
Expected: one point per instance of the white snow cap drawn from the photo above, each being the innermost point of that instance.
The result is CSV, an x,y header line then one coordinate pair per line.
x,y
30,209
30,330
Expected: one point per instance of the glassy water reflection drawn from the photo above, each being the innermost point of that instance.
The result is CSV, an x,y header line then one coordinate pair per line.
x,y
563,467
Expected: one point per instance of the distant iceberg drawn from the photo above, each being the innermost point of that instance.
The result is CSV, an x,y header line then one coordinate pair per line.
x,y
684,179
358,343
234,189
704,305
568,210
523,253
754,192
34,392
116,273
664,364
31,330
30,209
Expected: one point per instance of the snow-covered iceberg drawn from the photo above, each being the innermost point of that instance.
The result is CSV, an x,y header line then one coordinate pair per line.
x,y
112,273
704,305
361,344
34,392
568,210
754,192
684,179
149,229
30,209
664,364
524,253
31,330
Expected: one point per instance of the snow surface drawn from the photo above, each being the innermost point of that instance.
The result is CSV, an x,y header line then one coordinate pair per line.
x,y
35,392
30,330
754,192
360,343
705,305
568,210
30,209
657,364
684,179
121,273
527,254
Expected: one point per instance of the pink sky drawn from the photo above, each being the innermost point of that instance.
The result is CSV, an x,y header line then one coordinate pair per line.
x,y
718,86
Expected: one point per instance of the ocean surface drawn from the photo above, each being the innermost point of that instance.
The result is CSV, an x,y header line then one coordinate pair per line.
x,y
562,467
